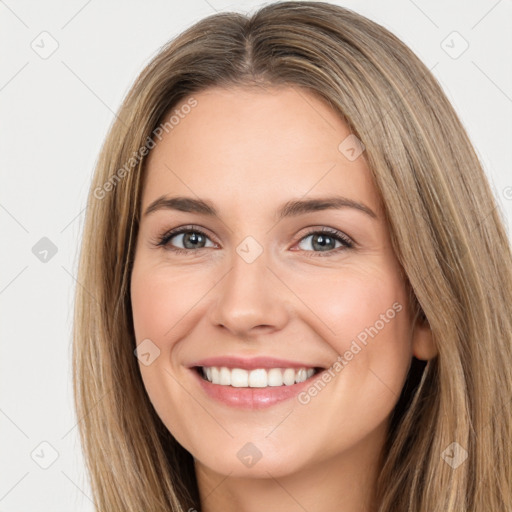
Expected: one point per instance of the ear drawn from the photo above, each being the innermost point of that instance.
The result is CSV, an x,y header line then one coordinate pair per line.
x,y
423,346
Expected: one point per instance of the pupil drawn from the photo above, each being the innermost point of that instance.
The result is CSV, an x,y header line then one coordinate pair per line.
x,y
193,238
322,241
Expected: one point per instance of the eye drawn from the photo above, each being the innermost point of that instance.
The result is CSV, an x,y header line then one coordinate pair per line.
x,y
189,236
324,241
192,238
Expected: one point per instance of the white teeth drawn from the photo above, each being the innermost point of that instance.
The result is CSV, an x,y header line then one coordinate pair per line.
x,y
259,378
275,377
225,377
301,375
289,376
239,378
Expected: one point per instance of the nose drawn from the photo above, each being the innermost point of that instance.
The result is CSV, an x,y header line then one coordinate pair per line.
x,y
250,300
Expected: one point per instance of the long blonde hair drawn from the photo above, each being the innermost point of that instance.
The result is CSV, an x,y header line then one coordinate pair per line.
x,y
446,230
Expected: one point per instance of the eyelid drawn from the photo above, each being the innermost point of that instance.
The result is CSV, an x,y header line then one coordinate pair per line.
x,y
311,230
346,241
163,239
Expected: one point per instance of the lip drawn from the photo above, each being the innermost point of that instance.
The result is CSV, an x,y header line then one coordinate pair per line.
x,y
250,398
251,363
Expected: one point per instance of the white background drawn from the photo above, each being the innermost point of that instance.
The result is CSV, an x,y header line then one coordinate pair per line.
x,y
54,115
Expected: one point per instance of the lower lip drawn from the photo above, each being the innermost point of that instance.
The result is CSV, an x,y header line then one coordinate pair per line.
x,y
251,398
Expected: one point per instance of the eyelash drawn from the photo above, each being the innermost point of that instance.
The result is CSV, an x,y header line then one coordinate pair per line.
x,y
163,240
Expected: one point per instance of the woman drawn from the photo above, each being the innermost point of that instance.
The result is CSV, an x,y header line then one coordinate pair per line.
x,y
296,283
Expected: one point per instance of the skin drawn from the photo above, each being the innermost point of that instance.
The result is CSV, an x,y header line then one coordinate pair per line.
x,y
248,151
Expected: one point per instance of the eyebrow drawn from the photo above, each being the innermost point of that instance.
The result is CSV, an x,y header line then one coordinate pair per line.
x,y
291,208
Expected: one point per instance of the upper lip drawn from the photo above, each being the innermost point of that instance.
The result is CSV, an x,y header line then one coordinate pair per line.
x,y
251,363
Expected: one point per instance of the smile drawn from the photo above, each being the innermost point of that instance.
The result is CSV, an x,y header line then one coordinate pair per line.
x,y
252,382
256,378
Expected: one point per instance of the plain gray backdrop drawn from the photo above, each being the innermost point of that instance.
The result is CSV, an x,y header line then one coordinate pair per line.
x,y
66,67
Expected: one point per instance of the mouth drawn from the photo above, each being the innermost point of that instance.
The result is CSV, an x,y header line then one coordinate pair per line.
x,y
257,377
252,383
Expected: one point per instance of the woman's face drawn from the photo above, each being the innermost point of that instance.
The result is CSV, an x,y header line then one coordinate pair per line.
x,y
256,298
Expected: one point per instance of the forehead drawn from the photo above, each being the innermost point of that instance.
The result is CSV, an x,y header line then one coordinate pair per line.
x,y
260,144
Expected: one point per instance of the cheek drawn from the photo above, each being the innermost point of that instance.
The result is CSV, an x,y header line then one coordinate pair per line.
x,y
164,307
156,308
356,303
363,316
160,299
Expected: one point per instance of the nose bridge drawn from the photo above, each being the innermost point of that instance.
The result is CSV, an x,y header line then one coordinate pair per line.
x,y
249,296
